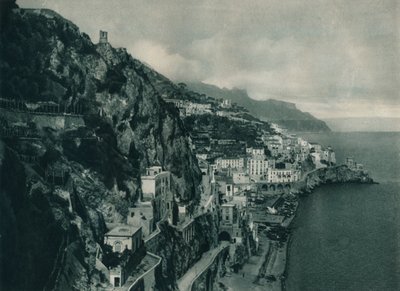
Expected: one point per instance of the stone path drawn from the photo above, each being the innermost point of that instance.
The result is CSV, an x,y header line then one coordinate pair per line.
x,y
206,260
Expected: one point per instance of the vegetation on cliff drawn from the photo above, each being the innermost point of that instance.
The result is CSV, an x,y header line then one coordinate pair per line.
x,y
283,113
64,176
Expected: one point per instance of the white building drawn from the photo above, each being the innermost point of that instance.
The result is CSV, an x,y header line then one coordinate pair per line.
x,y
226,103
197,108
156,187
142,216
257,166
257,151
124,237
283,175
316,158
234,163
329,156
117,276
202,156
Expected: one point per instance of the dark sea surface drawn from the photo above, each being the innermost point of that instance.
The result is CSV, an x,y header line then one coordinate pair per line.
x,y
347,237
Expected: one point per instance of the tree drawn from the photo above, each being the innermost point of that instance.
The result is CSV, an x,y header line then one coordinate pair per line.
x,y
5,8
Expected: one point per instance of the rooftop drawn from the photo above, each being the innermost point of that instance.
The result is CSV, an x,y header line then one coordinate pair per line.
x,y
123,230
153,172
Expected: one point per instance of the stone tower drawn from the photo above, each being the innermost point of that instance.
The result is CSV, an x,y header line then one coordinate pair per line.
x,y
103,37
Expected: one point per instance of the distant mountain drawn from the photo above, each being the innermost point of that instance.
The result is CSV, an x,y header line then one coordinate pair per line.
x,y
283,113
364,124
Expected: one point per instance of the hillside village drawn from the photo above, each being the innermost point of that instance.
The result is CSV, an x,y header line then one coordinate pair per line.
x,y
110,177
248,183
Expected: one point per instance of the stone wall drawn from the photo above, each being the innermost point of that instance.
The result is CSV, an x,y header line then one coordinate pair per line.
x,y
146,281
57,122
208,280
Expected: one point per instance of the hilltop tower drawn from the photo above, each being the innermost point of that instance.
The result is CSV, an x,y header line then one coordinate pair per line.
x,y
103,37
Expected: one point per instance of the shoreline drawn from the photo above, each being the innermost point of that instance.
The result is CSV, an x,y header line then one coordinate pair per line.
x,y
307,189
289,245
299,193
273,269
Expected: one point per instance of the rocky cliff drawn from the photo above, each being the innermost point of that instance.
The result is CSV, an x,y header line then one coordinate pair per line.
x,y
64,175
337,174
179,255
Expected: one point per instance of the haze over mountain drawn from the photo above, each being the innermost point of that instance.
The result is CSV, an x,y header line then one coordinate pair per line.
x,y
331,58
280,112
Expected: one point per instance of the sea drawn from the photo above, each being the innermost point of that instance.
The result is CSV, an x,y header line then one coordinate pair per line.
x,y
347,236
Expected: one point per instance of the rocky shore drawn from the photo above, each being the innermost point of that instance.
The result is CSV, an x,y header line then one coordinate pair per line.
x,y
333,175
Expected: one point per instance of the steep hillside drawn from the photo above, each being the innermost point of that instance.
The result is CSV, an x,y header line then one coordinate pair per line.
x,y
280,112
79,123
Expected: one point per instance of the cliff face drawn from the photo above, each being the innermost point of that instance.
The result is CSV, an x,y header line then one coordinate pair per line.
x,y
119,125
44,244
61,65
179,255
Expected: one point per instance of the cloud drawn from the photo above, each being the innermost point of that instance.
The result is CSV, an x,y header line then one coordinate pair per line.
x,y
165,62
341,54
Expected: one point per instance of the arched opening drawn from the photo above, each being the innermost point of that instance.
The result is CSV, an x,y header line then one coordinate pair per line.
x,y
264,187
224,236
279,187
287,186
117,246
272,187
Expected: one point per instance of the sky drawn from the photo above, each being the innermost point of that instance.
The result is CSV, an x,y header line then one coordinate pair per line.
x,y
332,58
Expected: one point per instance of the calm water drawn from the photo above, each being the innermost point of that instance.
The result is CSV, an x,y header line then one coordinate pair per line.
x,y
347,237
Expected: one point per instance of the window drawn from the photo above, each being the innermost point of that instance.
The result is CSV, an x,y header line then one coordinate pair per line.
x,y
117,246
117,281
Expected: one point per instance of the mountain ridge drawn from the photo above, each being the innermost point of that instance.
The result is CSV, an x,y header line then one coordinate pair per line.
x,y
283,113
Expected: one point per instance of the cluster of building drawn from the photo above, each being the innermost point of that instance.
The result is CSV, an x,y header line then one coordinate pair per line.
x,y
156,204
198,106
353,165
255,175
237,175
245,174
188,108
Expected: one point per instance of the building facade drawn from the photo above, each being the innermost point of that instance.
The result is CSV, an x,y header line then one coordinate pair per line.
x,y
124,237
156,187
142,216
283,176
234,163
257,166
